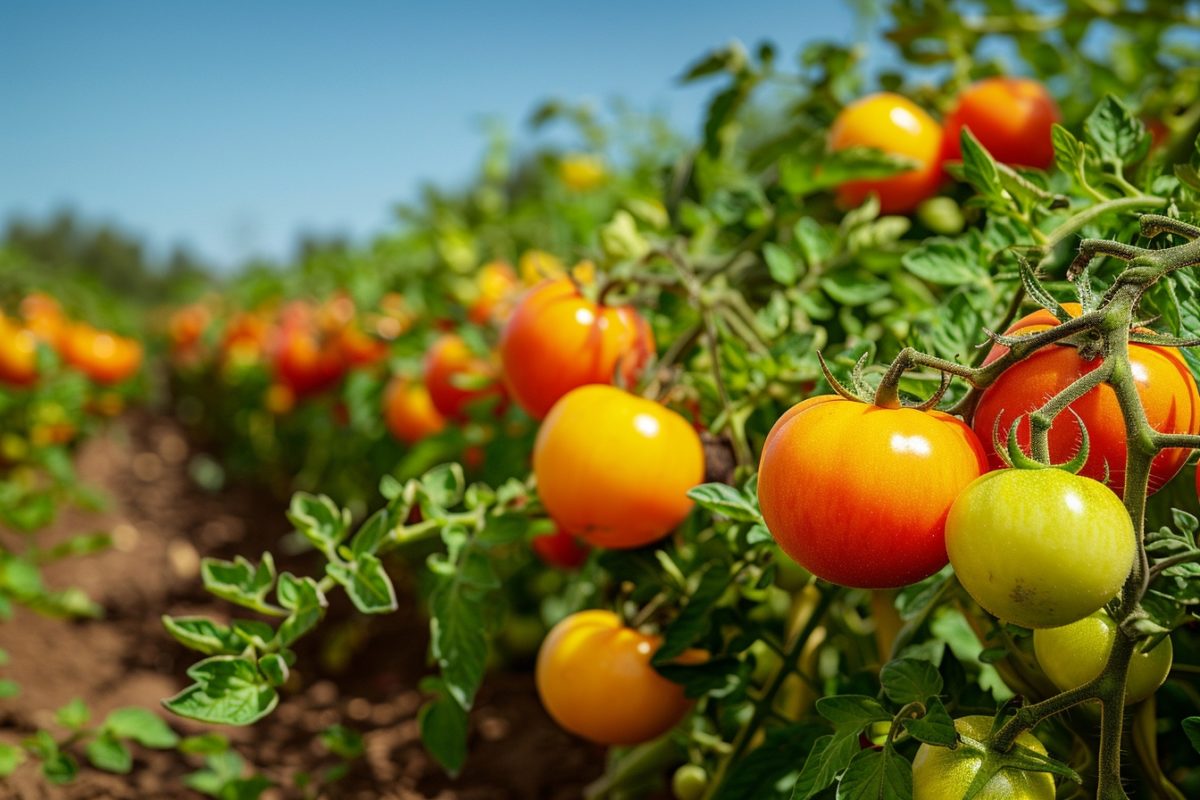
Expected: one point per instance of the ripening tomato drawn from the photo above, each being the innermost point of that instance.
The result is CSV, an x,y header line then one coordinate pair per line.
x,y
44,316
581,172
187,325
457,378
304,363
1163,380
1011,118
357,348
1040,547
940,773
495,285
18,354
858,495
408,411
102,356
615,469
560,549
245,340
898,126
594,678
1074,654
557,340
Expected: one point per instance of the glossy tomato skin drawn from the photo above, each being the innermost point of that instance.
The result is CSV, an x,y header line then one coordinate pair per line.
x,y
1163,381
594,678
560,549
408,411
858,494
896,125
614,469
1011,118
940,773
558,340
104,357
447,358
1039,548
1074,654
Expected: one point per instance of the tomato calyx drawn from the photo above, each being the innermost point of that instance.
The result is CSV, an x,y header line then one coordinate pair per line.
x,y
887,393
1014,457
1018,757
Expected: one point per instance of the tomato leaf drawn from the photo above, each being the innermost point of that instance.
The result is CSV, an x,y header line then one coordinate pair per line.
x,y
444,485
979,169
204,635
780,264
239,581
443,723
457,638
372,533
852,710
935,727
142,726
877,775
910,680
107,753
695,619
758,774
1191,727
11,757
227,690
306,602
727,501
1117,134
74,715
948,262
366,583
319,520
717,677
828,757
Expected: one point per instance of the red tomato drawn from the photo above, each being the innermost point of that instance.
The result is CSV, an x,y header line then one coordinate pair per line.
x,y
449,362
898,126
560,549
614,469
1011,118
858,495
1164,384
557,340
408,411
304,363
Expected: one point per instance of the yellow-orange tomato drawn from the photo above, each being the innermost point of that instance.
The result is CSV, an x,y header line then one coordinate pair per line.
x,y
1011,118
536,266
897,126
557,340
187,325
102,356
614,469
448,364
245,339
357,348
306,363
495,285
408,411
594,678
18,354
44,316
581,172
858,494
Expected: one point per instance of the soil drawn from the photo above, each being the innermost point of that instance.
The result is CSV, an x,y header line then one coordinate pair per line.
x,y
162,523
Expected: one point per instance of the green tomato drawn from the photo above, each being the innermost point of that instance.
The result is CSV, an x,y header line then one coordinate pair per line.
x,y
1039,548
1075,654
689,782
940,773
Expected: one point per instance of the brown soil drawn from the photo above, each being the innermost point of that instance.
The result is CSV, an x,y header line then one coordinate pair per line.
x,y
162,524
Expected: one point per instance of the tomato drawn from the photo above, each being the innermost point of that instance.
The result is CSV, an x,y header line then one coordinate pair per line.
x,y
245,340
557,340
897,126
1074,654
858,495
689,782
614,469
102,356
560,549
581,172
448,363
44,316
187,325
279,399
304,362
18,354
1163,381
940,773
594,678
495,284
1011,118
408,411
1040,547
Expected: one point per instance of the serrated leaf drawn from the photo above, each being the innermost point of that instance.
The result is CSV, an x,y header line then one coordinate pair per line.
x,y
935,727
319,520
947,262
458,640
1116,133
979,168
239,581
204,635
366,583
757,774
828,757
227,690
142,726
444,485
910,680
852,710
108,754
780,264
877,775
717,677
1068,152
727,501
855,288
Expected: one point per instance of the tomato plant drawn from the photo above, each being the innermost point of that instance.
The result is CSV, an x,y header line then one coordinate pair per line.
x,y
1011,117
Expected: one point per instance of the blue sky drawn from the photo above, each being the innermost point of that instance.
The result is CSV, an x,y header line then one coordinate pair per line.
x,y
230,126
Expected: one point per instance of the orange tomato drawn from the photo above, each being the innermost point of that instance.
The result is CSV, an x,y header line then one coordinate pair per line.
x,y
103,356
1164,383
448,364
495,284
898,126
357,348
557,340
306,364
1011,118
614,469
594,678
18,354
44,316
408,411
245,339
858,495
187,325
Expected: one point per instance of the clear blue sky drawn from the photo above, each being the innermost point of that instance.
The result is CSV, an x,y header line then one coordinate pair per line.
x,y
230,126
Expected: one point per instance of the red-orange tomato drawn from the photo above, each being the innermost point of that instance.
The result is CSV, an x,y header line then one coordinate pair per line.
x,y
1164,383
557,340
449,361
304,363
594,678
495,284
858,495
245,340
897,126
560,549
44,316
102,356
357,348
614,469
408,411
1011,118
18,354
187,325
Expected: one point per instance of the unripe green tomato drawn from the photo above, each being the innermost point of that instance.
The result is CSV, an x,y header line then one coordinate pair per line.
x,y
940,773
689,782
941,215
1075,654
766,662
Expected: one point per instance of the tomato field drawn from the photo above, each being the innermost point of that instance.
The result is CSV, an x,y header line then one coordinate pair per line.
x,y
845,449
